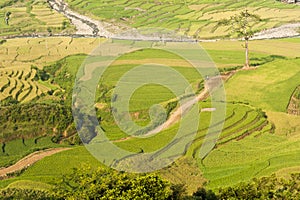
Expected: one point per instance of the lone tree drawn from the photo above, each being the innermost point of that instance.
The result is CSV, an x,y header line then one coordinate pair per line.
x,y
241,26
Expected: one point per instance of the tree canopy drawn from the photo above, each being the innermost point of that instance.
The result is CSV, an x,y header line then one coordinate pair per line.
x,y
87,183
241,25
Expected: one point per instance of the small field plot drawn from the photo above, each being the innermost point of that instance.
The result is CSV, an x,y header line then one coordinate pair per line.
x,y
240,122
50,168
47,170
25,52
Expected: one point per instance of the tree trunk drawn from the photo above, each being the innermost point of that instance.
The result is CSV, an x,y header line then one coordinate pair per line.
x,y
246,53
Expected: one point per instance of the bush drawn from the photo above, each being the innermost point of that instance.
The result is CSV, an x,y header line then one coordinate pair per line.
x,y
24,194
87,183
264,188
203,194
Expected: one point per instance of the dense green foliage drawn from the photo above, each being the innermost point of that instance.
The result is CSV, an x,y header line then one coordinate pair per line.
x,y
242,26
25,194
278,75
100,183
264,188
32,120
63,73
107,184
84,184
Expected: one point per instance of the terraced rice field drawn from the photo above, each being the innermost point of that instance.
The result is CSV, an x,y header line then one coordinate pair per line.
x,y
32,17
25,52
17,56
248,145
21,85
189,17
241,121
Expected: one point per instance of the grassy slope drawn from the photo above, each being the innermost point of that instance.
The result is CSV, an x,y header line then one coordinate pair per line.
x,y
269,87
147,95
15,150
231,53
50,168
226,164
251,157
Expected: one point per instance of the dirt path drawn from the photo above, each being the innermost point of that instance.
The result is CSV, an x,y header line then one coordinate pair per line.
x,y
29,160
210,85
174,117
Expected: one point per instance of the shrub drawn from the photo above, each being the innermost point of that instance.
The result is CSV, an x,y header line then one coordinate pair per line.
x,y
24,194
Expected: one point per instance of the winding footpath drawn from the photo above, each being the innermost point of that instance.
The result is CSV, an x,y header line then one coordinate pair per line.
x,y
29,160
210,85
174,117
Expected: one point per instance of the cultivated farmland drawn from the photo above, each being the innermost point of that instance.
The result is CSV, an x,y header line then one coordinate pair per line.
x,y
192,18
31,18
22,59
245,125
257,136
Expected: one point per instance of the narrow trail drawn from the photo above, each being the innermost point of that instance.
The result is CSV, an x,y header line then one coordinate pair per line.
x,y
175,116
29,160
